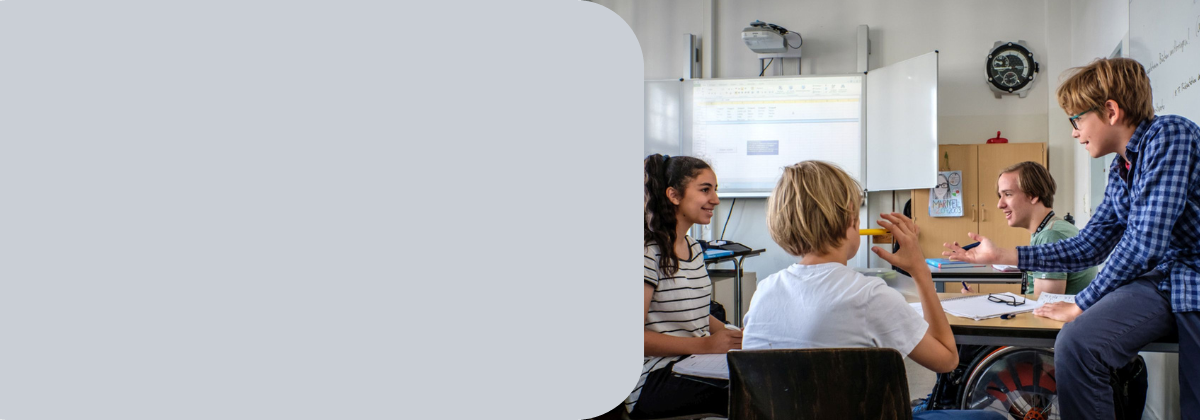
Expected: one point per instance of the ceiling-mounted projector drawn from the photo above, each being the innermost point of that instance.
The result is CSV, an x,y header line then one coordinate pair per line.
x,y
765,38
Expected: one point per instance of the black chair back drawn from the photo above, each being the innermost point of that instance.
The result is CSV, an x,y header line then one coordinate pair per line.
x,y
853,383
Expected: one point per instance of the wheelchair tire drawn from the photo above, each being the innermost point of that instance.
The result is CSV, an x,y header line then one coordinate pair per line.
x,y
1017,381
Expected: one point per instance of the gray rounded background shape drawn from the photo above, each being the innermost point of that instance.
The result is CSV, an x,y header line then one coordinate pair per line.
x,y
313,210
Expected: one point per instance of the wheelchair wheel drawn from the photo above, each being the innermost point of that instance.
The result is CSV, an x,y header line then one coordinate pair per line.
x,y
1018,381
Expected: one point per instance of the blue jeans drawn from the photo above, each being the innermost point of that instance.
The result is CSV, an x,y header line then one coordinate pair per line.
x,y
1108,334
959,415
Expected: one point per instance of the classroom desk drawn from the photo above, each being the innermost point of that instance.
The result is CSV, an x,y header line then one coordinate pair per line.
x,y
971,275
737,259
1026,329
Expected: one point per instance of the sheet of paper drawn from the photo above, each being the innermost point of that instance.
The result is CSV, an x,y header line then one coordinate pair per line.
x,y
1055,297
979,307
1005,268
703,365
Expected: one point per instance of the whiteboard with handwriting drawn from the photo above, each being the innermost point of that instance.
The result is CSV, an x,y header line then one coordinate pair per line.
x,y
1164,35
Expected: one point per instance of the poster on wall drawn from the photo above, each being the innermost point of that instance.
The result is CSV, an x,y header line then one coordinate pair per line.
x,y
945,199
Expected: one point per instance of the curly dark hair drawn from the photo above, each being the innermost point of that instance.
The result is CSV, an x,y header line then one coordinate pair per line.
x,y
664,172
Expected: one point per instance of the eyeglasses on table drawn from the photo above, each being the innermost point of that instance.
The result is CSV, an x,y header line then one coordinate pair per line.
x,y
1007,300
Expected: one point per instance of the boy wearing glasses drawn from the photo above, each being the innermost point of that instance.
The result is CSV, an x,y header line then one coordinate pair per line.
x,y
1148,227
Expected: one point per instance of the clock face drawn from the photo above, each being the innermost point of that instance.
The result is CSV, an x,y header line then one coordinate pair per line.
x,y
1010,67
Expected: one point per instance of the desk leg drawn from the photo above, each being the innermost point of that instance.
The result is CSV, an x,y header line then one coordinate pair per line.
x,y
737,291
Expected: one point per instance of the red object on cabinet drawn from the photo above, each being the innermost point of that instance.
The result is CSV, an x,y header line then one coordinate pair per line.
x,y
998,139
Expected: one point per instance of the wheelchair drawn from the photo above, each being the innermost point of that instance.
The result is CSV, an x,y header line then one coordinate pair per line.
x,y
1019,382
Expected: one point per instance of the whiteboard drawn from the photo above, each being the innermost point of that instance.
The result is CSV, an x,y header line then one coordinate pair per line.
x,y
664,109
1164,35
901,144
750,129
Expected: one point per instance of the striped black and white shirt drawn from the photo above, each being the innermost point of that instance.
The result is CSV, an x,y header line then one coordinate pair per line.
x,y
678,307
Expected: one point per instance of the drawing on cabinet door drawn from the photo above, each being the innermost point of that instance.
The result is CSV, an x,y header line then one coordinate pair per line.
x,y
980,166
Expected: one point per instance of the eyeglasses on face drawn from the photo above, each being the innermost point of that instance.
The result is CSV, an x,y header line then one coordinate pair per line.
x,y
1007,300
1077,116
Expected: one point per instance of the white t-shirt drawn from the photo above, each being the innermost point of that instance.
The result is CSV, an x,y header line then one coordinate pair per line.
x,y
829,306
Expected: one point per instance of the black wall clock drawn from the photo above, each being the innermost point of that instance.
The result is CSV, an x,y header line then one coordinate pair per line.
x,y
1010,68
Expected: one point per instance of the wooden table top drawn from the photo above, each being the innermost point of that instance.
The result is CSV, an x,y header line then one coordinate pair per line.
x,y
1026,329
1025,320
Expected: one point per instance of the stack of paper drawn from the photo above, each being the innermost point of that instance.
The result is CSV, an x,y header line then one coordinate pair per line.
x,y
1006,268
979,307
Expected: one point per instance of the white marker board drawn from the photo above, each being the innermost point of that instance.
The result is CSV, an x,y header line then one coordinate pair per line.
x,y
1164,35
902,125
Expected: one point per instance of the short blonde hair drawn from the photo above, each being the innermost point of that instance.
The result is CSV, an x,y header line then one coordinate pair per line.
x,y
1120,79
812,206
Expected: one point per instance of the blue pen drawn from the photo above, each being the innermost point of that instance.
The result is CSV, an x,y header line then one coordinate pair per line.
x,y
965,286
968,247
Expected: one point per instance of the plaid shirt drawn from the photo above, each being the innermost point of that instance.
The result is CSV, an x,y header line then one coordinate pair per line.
x,y
1149,220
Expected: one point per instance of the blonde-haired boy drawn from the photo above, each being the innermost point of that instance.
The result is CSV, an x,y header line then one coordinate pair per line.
x,y
1148,229
819,302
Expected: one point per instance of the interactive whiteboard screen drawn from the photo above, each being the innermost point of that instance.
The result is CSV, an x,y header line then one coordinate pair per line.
x,y
749,129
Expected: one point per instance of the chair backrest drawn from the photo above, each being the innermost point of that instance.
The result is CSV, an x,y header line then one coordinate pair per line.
x,y
857,383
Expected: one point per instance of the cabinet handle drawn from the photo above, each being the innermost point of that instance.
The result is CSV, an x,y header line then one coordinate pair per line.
x,y
974,214
984,219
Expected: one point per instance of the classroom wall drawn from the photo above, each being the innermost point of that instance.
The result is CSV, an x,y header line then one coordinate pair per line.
x,y
1061,146
962,32
899,31
660,25
1097,28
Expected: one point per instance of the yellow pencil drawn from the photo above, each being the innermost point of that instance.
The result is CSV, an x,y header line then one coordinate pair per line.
x,y
872,232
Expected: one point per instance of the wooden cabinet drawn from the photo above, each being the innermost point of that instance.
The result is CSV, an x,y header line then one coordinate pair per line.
x,y
980,165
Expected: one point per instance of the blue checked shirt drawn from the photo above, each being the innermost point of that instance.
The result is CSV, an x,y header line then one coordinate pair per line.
x,y
1149,220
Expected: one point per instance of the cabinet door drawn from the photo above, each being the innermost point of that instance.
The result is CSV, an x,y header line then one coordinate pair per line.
x,y
938,230
994,158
